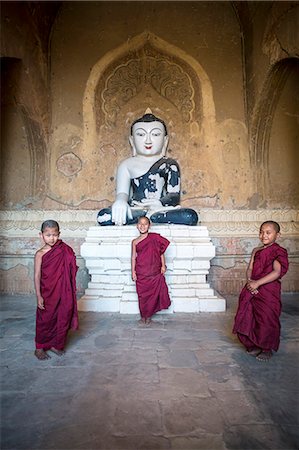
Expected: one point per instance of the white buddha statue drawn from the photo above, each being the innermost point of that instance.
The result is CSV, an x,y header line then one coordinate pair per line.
x,y
148,183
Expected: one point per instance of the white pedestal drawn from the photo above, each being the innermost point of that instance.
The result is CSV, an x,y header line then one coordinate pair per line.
x,y
107,252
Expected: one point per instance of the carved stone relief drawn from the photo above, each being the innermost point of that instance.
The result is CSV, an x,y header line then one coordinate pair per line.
x,y
145,70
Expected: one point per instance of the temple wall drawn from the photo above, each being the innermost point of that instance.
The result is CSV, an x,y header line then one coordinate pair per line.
x,y
223,76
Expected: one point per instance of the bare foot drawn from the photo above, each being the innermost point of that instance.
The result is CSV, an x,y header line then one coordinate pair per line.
x,y
57,352
148,321
254,352
41,354
141,321
264,356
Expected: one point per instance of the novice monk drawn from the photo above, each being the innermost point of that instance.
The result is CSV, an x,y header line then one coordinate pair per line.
x,y
55,285
148,268
257,320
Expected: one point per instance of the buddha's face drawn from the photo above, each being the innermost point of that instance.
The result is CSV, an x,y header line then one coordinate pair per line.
x,y
148,139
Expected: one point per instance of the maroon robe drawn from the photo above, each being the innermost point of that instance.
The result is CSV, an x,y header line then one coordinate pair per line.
x,y
257,319
151,285
58,289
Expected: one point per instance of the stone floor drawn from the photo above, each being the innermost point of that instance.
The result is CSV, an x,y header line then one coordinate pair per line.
x,y
185,383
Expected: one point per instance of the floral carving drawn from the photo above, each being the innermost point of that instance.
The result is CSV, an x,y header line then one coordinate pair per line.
x,y
142,72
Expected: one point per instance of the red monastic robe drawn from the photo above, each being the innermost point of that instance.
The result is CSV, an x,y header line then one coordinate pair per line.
x,y
58,289
257,321
151,285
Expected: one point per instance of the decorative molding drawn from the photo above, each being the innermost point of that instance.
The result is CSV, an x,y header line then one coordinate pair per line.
x,y
27,223
232,223
240,222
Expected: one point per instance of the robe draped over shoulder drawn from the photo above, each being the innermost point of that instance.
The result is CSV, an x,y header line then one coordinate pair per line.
x,y
58,289
162,182
257,319
151,286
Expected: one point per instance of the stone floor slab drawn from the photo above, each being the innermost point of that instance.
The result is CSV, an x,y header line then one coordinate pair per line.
x,y
185,383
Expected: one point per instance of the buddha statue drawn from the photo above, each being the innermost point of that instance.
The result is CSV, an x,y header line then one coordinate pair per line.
x,y
148,183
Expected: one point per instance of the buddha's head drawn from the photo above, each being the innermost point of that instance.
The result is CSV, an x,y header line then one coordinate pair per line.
x,y
149,136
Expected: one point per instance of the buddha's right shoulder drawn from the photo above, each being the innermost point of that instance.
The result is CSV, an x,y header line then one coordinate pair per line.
x,y
126,163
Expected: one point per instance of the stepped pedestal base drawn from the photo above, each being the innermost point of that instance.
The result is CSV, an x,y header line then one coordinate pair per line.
x,y
107,252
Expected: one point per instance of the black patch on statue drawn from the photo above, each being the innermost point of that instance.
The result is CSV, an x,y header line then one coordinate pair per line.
x,y
164,168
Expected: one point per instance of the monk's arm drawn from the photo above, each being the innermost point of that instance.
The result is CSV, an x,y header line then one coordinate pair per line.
x,y
133,261
272,276
250,265
163,265
37,277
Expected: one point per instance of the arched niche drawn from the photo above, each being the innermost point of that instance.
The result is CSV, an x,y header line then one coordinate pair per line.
x,y
146,71
23,150
283,153
17,158
275,135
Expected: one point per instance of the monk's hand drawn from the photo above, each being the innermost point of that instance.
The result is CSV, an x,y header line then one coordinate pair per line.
x,y
120,211
252,286
134,276
163,269
40,303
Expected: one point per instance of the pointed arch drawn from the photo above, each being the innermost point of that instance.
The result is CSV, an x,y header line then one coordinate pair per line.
x,y
263,120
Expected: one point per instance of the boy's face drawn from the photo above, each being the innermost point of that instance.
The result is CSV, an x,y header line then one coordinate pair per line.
x,y
50,236
143,225
268,234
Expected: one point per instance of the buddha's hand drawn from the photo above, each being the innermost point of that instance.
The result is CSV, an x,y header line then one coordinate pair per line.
x,y
120,212
152,205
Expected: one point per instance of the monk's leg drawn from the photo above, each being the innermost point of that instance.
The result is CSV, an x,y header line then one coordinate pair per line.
x,y
41,354
255,351
264,356
56,351
248,344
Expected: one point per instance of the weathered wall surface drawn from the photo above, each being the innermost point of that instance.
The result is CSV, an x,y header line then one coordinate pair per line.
x,y
223,76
